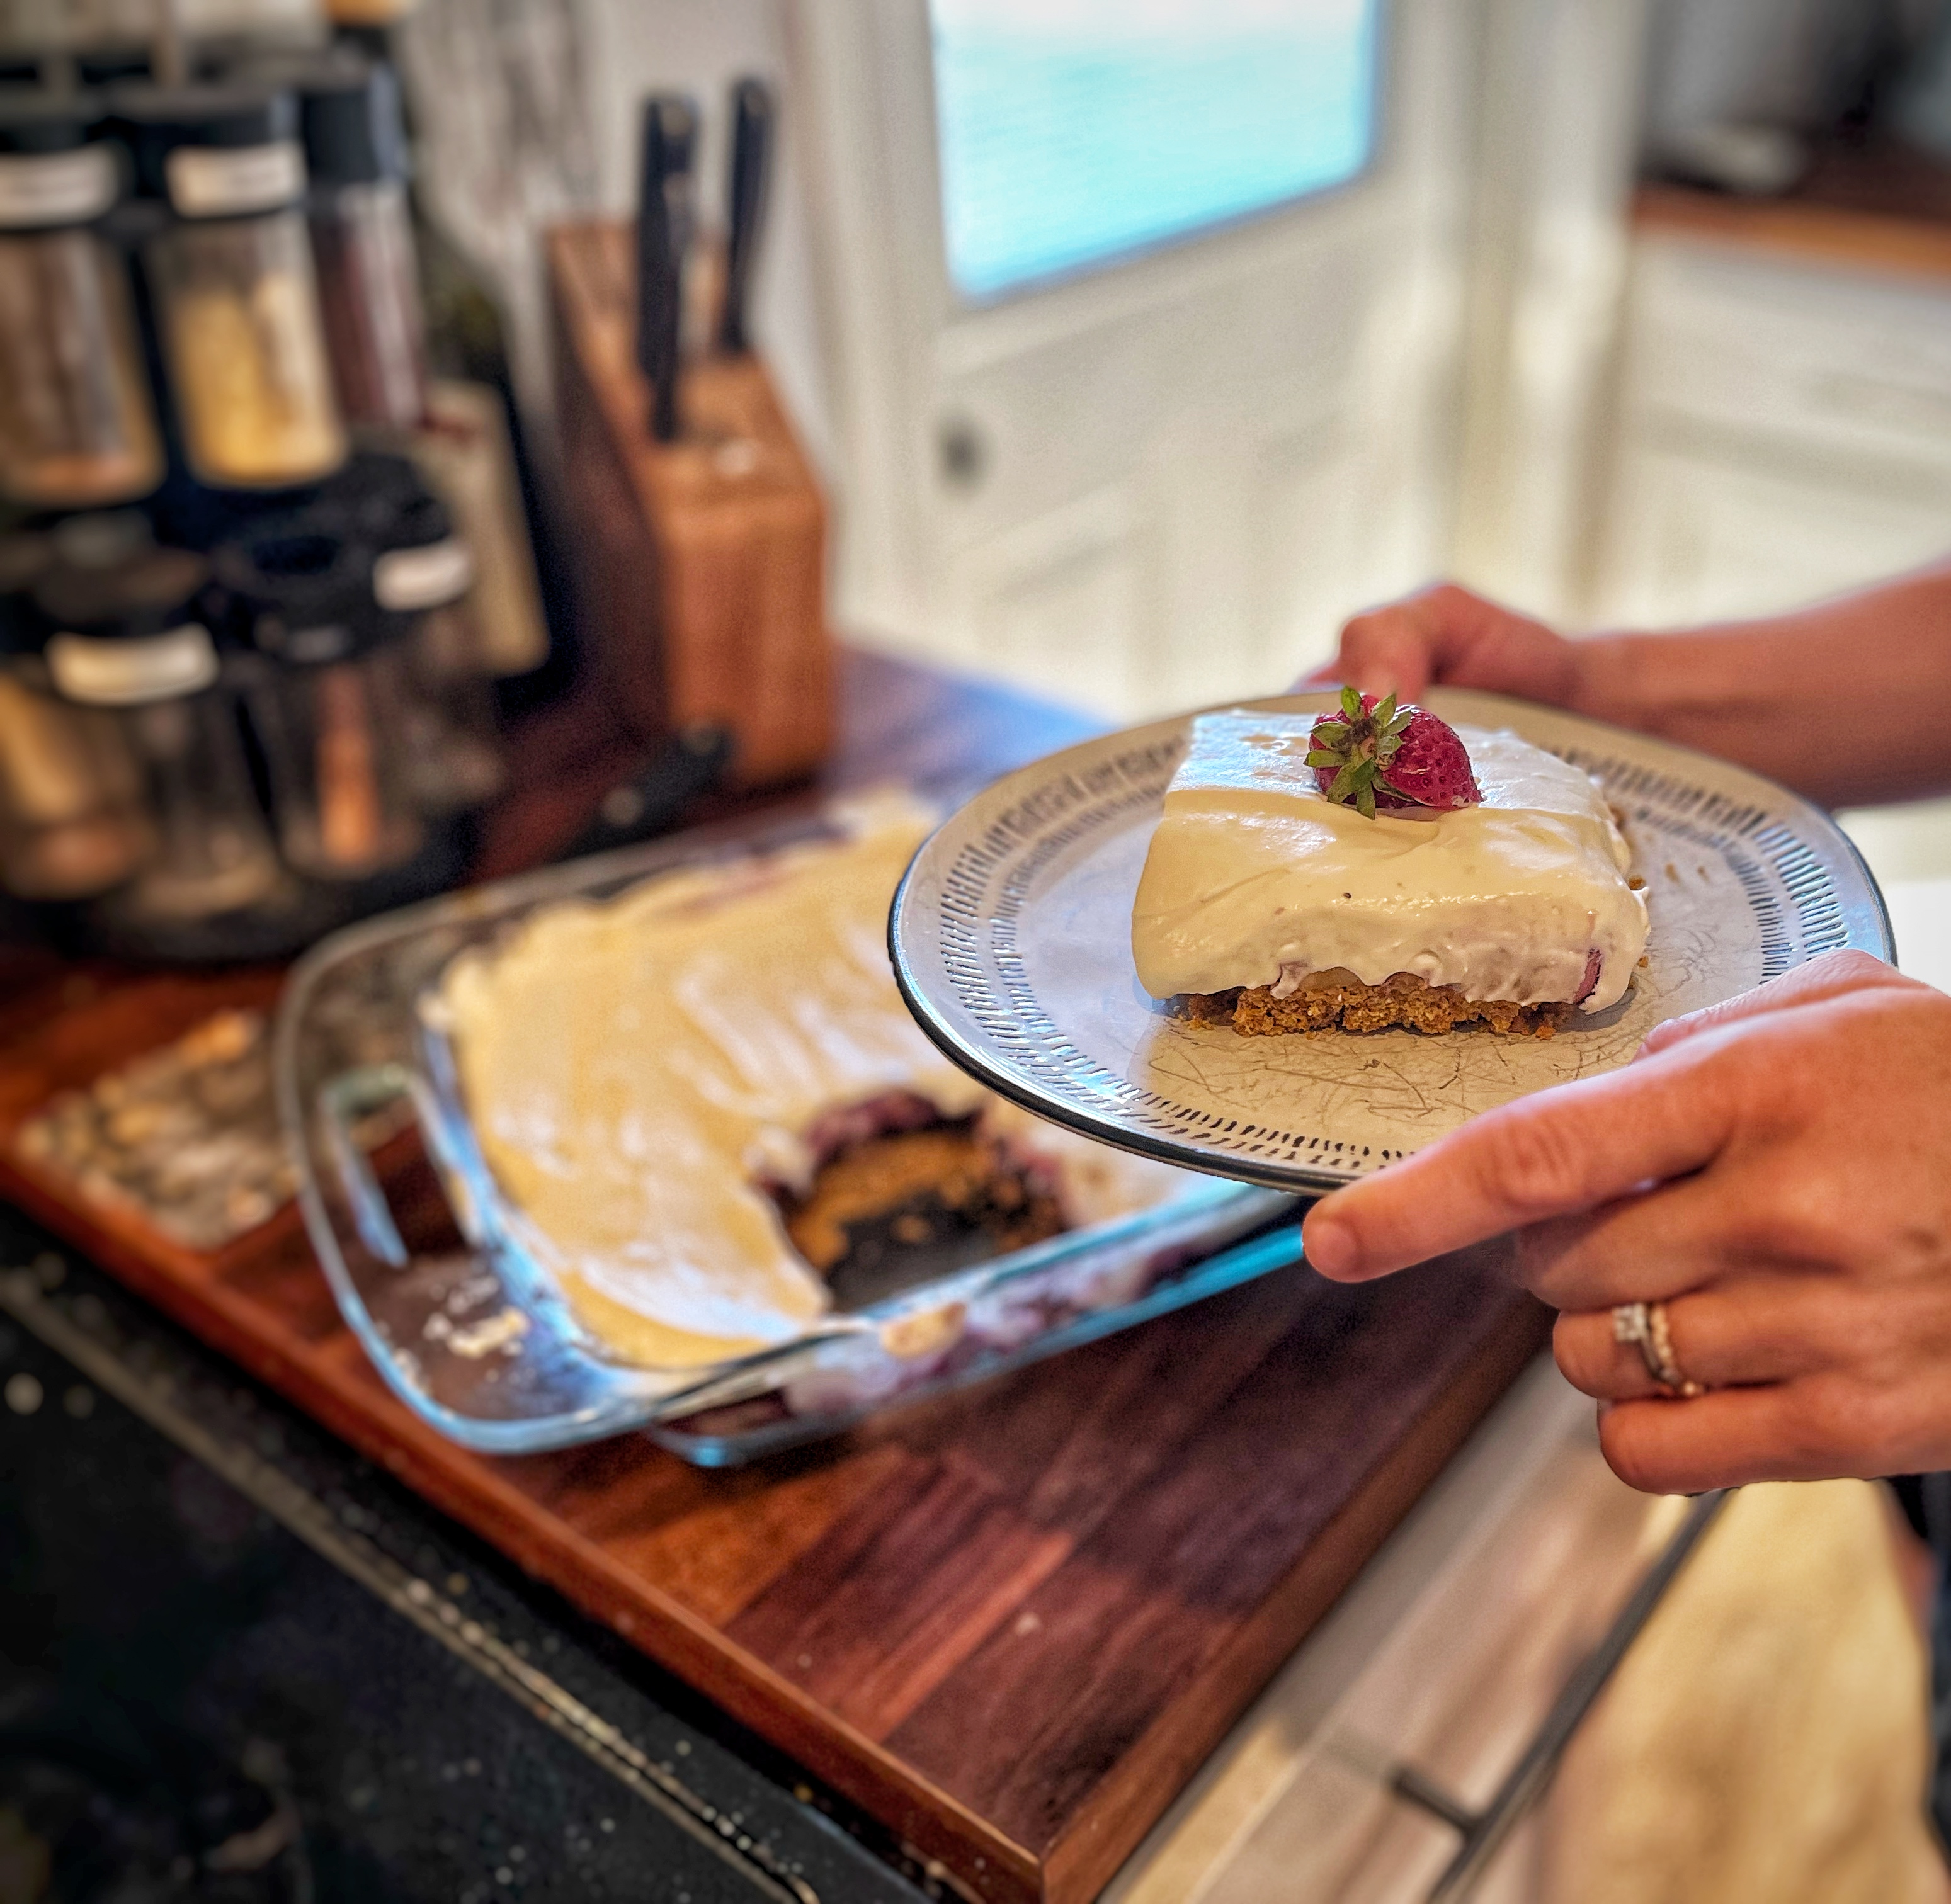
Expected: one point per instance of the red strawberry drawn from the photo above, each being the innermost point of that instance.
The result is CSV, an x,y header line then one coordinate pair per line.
x,y
1371,754
1431,767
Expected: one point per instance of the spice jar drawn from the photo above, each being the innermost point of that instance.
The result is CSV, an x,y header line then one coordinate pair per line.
x,y
77,429
362,238
231,277
70,823
328,709
424,569
130,639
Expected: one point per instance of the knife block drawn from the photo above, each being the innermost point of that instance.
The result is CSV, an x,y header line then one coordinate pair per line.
x,y
702,562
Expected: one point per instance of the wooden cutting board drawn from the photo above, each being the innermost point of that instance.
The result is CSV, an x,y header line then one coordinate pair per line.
x,y
1010,1624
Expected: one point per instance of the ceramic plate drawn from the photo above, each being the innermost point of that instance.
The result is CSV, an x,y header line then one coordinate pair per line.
x,y
1011,940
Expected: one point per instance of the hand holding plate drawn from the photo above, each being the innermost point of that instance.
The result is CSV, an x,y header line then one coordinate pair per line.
x,y
1777,1172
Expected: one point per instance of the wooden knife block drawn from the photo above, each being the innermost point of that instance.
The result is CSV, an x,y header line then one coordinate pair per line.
x,y
702,562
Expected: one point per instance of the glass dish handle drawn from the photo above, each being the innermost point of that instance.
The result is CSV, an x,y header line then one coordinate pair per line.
x,y
346,1100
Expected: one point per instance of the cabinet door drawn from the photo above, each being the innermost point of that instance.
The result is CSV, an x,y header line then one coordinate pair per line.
x,y
1706,533
1784,434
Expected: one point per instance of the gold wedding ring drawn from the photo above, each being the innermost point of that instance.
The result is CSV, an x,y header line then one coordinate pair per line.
x,y
1646,1324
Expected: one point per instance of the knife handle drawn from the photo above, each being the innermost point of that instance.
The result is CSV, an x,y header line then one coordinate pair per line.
x,y
664,235
689,763
752,116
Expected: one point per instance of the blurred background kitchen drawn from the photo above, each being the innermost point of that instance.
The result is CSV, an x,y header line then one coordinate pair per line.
x,y
1130,348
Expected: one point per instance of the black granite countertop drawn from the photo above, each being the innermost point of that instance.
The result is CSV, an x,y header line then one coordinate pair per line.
x,y
237,1663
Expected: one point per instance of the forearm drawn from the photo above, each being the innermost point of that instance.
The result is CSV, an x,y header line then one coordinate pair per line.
x,y
1848,702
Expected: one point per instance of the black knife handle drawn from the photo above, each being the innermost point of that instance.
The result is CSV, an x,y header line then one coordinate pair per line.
x,y
689,763
664,235
752,115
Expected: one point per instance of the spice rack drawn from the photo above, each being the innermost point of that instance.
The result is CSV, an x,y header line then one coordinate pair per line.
x,y
213,361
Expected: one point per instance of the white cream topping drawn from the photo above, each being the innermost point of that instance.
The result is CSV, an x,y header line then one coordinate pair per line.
x,y
1253,879
636,1067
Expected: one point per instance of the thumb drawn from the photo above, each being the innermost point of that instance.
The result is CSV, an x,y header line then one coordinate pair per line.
x,y
1832,975
1388,650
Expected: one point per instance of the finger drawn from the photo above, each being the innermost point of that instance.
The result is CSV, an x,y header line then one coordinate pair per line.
x,y
1403,646
1386,651
1780,1431
1760,1329
1561,1151
1667,1239
1833,975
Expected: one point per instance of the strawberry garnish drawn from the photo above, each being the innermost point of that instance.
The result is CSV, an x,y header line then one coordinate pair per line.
x,y
1373,754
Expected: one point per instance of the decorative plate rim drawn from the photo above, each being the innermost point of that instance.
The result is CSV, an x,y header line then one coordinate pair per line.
x,y
1183,1153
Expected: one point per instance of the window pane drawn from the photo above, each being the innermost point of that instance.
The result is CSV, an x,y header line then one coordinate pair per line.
x,y
1074,130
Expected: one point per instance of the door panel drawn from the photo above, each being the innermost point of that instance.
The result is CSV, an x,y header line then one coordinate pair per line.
x,y
1261,399
1310,555
1059,606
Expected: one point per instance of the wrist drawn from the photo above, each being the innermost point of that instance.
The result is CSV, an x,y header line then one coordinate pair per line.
x,y
1607,674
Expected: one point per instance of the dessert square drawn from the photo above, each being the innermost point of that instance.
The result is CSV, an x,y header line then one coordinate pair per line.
x,y
1269,907
712,1119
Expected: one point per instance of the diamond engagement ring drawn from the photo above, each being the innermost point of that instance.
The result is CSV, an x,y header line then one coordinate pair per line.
x,y
1646,1324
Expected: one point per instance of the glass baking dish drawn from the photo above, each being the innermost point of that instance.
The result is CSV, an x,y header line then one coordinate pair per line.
x,y
470,1331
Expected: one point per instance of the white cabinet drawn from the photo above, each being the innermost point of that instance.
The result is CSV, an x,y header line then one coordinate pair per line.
x,y
1783,432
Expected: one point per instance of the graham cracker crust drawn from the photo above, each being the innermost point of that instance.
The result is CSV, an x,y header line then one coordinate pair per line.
x,y
1328,1000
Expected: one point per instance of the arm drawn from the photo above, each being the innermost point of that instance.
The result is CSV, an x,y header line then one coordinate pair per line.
x,y
1848,702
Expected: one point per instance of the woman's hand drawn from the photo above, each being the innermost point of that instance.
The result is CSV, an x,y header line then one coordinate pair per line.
x,y
1777,1171
1764,693
1447,635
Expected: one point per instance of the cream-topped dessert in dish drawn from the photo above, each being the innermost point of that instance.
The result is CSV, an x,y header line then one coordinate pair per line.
x,y
1271,900
694,1097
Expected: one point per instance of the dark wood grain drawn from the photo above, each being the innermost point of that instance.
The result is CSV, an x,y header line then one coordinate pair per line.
x,y
1012,1623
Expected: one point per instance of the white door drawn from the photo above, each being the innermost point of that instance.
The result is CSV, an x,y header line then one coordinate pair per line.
x,y
1163,385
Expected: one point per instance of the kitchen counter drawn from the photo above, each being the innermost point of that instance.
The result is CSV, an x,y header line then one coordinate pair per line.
x,y
312,1678
1882,207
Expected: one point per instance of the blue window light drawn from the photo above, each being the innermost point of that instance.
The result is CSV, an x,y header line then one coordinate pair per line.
x,y
1076,131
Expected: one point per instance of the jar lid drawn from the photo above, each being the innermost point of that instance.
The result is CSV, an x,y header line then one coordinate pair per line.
x,y
130,671
383,501
141,592
107,65
24,557
363,499
354,131
32,119
98,539
50,174
307,593
212,151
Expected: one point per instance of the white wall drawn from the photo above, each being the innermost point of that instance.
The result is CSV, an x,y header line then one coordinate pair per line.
x,y
528,114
